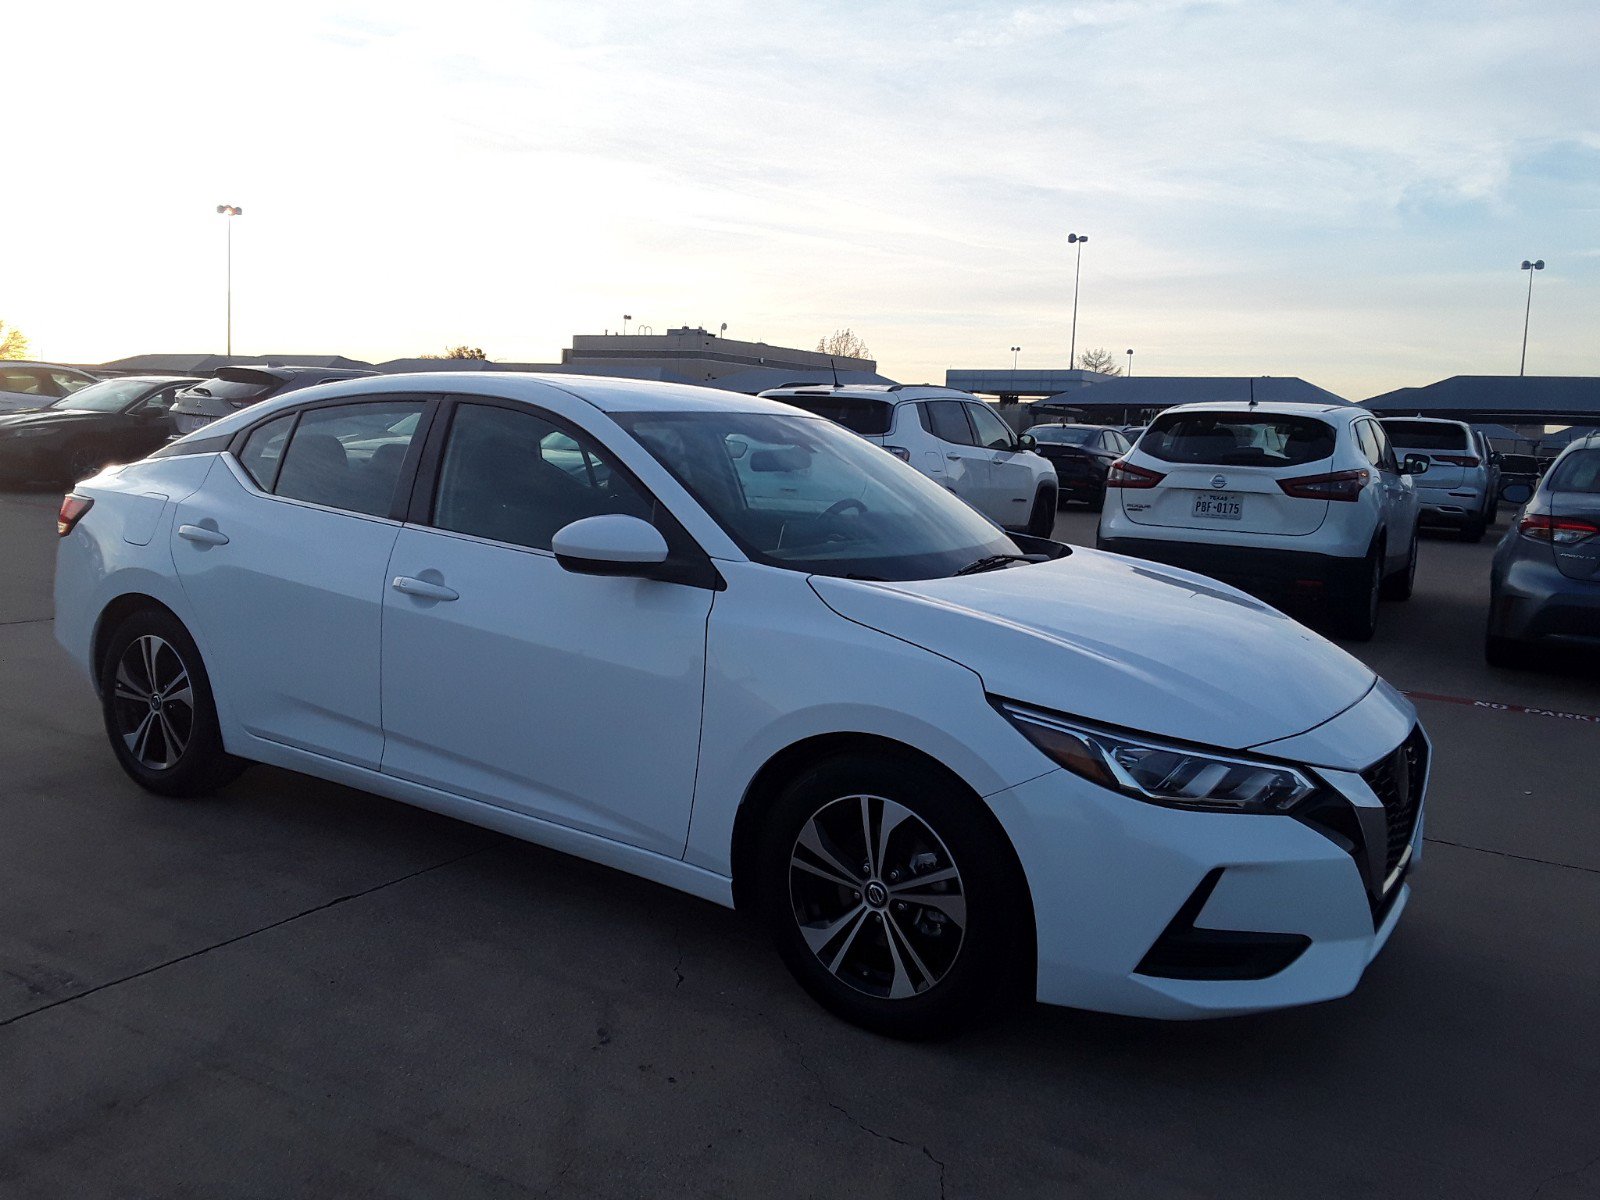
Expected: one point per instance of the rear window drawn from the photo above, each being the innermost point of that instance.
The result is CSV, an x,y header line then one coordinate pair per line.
x,y
1426,435
1242,439
1578,472
857,413
1063,435
235,393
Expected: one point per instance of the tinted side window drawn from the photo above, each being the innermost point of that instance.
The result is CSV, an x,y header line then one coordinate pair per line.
x,y
950,422
349,456
993,433
1365,442
1386,458
517,477
263,450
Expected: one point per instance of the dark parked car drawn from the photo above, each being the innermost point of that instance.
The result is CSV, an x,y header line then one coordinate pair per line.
x,y
1545,583
233,388
1081,455
115,420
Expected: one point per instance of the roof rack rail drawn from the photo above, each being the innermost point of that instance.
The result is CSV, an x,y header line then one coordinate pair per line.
x,y
803,383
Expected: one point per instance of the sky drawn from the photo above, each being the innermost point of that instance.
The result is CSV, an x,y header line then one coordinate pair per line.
x,y
1338,191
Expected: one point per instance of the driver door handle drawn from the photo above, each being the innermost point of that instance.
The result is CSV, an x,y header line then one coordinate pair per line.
x,y
423,590
202,535
953,456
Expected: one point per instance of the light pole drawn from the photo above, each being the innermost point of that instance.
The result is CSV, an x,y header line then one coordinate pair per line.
x,y
230,211
1075,239
1530,267
1130,363
626,317
1015,350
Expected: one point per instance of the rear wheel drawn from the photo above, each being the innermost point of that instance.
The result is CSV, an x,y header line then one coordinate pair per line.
x,y
83,460
1503,652
1402,583
1042,520
159,714
892,897
1472,531
1359,621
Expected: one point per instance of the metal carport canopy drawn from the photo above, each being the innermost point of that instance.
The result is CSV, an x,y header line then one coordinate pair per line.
x,y
1514,399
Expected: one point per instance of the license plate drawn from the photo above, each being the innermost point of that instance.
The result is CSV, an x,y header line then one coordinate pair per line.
x,y
1219,506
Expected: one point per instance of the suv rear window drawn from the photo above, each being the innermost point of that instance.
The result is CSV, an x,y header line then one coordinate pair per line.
x,y
1426,435
234,392
857,413
1238,439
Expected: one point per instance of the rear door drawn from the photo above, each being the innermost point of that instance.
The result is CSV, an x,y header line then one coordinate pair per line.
x,y
955,461
1223,469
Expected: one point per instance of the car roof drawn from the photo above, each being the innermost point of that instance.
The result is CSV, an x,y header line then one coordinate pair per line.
x,y
1280,407
893,393
1425,420
1072,425
33,362
152,379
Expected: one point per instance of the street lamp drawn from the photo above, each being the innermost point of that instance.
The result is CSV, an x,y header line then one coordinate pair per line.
x,y
1015,350
1075,239
1530,267
230,211
1130,363
626,317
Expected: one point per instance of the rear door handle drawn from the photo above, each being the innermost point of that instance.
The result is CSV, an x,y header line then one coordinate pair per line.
x,y
202,535
953,457
423,590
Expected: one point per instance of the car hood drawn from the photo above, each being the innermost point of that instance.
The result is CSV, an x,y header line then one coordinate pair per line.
x,y
1121,642
43,416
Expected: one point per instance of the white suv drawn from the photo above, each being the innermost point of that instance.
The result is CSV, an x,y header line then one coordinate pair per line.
x,y
953,438
1459,491
1290,501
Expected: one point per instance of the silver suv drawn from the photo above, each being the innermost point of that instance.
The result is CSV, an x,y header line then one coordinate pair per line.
x,y
1459,491
952,437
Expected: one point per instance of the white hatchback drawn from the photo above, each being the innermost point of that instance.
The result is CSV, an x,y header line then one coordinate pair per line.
x,y
1296,502
953,438
733,648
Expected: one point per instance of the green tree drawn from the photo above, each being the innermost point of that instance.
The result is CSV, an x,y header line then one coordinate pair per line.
x,y
12,343
842,343
461,352
1101,361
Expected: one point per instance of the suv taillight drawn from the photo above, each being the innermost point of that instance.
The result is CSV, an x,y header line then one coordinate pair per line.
x,y
1339,485
1457,460
1563,531
72,509
1125,475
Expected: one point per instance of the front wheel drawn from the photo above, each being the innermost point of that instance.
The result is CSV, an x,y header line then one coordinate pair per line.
x,y
1042,520
82,461
159,714
893,897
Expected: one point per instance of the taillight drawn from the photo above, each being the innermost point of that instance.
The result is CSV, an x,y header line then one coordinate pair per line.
x,y
899,452
72,509
1125,475
1339,485
1457,460
1564,531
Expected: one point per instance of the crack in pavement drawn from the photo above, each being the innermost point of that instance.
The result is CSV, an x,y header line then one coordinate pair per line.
x,y
889,1137
161,966
1507,854
1543,1183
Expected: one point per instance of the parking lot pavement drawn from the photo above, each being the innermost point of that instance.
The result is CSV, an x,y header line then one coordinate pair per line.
x,y
295,989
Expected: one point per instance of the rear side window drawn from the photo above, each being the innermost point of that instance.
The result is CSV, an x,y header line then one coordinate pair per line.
x,y
1579,472
263,451
348,456
860,414
1426,435
947,422
1239,439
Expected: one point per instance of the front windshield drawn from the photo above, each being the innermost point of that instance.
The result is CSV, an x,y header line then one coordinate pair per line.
x,y
1063,435
806,494
113,395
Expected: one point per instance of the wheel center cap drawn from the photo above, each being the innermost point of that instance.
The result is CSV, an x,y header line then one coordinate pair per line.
x,y
877,894
155,703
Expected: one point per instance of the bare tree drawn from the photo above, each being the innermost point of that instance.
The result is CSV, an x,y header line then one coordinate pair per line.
x,y
842,343
12,343
461,352
1101,361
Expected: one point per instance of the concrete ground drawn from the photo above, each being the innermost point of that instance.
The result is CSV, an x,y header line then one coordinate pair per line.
x,y
298,990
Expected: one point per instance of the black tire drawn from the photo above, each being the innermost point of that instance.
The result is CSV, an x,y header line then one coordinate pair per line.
x,y
1504,652
1098,502
1042,520
1472,531
947,982
1359,621
1403,582
81,461
169,743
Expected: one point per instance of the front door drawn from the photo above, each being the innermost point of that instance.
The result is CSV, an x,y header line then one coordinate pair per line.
x,y
506,678
1009,493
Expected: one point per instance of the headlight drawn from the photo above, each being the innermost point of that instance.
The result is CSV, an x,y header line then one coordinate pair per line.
x,y
1161,772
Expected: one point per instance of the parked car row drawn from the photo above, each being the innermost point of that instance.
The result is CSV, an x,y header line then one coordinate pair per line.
x,y
724,644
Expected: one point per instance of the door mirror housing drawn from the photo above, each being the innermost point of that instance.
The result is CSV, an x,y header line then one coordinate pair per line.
x,y
613,544
1027,441
1497,458
1414,464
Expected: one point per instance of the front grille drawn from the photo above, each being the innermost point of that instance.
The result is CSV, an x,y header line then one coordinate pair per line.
x,y
1397,781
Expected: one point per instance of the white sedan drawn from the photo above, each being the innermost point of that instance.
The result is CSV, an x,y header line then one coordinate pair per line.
x,y
734,648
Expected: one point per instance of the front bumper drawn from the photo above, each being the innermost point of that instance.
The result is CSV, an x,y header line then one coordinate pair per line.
x,y
1113,878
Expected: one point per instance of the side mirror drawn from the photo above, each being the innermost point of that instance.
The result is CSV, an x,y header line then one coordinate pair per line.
x,y
1415,464
1027,441
613,544
1496,457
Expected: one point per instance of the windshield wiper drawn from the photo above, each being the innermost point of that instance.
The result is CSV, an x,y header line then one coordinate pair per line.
x,y
992,562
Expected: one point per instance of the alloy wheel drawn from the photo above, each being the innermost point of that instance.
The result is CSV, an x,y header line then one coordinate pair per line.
x,y
877,896
153,702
